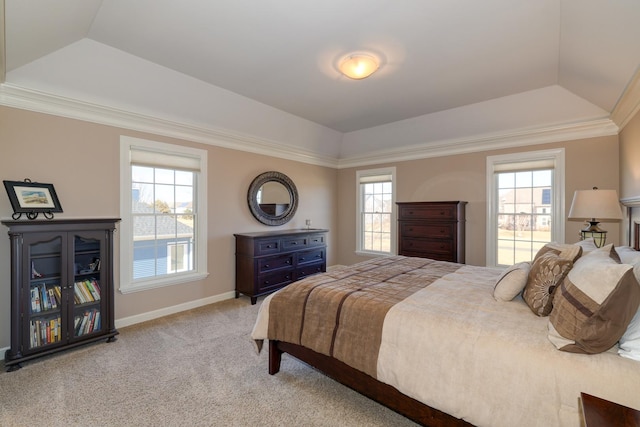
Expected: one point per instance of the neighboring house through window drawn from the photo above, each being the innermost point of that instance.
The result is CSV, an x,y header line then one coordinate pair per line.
x,y
375,222
525,209
163,209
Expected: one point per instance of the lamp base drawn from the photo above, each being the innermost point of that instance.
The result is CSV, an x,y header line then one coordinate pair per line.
x,y
598,235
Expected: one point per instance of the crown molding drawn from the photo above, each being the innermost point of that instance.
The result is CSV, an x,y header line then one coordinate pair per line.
x,y
631,201
628,104
41,102
518,138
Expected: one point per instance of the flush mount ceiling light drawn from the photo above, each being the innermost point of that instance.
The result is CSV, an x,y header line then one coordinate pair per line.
x,y
358,66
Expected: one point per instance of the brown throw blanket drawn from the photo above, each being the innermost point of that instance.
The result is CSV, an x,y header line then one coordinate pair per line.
x,y
340,314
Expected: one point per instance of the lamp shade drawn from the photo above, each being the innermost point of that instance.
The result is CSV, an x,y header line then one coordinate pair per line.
x,y
358,66
595,204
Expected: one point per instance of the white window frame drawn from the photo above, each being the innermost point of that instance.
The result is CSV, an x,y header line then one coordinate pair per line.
x,y
176,246
127,283
554,159
359,237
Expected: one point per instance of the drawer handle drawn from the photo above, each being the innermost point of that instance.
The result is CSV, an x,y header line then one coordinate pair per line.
x,y
301,259
318,256
294,243
287,277
288,261
269,246
267,266
266,282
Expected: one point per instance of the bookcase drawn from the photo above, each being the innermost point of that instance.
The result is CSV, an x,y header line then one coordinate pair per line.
x,y
61,286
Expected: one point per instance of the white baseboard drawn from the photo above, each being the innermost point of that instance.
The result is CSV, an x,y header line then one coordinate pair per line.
x,y
150,315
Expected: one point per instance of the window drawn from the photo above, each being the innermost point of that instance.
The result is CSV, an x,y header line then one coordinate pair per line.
x,y
375,223
163,209
525,208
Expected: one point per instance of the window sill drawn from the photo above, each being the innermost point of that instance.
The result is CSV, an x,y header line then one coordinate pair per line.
x,y
374,254
160,283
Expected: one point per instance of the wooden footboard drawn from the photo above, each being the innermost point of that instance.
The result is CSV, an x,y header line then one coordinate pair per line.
x,y
363,384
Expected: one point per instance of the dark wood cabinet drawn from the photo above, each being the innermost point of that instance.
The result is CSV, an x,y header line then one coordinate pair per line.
x,y
61,286
598,412
433,230
268,261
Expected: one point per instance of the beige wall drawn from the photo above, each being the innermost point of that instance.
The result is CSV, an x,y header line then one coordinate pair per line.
x,y
589,162
630,159
82,160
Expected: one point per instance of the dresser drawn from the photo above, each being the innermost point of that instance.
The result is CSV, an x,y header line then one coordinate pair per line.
x,y
268,261
432,230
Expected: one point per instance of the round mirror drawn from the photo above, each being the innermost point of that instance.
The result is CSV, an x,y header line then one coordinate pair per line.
x,y
272,198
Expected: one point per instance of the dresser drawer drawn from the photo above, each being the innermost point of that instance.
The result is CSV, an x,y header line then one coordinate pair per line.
x,y
267,246
431,212
294,243
316,240
274,280
309,269
275,263
423,245
434,231
306,257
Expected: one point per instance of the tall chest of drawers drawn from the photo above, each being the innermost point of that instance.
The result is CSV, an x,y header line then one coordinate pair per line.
x,y
433,230
268,261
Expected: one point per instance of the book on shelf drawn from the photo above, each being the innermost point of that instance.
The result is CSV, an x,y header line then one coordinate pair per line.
x,y
87,322
44,331
52,298
44,298
86,290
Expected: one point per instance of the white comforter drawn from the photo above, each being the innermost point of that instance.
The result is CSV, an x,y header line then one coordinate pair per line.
x,y
454,348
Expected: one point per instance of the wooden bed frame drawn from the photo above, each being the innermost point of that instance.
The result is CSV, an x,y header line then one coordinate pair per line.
x,y
363,384
374,389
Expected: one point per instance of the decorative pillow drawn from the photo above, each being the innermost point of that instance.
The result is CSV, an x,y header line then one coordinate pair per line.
x,y
594,304
629,345
547,272
571,252
511,282
604,252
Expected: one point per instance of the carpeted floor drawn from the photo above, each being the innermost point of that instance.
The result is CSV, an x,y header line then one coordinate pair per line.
x,y
196,368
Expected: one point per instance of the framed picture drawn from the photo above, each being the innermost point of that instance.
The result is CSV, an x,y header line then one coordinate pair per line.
x,y
32,198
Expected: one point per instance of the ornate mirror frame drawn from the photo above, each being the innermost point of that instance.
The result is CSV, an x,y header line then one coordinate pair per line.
x,y
254,206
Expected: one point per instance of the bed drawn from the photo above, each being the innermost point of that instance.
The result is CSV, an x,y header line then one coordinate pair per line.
x,y
430,340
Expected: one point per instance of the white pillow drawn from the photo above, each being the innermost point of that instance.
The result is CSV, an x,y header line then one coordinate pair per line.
x,y
511,282
629,344
628,255
587,245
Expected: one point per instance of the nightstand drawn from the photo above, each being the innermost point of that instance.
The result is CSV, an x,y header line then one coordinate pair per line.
x,y
599,412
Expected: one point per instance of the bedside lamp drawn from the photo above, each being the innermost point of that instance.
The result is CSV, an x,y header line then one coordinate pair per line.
x,y
591,204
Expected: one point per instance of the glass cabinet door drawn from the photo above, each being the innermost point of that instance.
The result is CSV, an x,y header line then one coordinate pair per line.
x,y
43,291
87,309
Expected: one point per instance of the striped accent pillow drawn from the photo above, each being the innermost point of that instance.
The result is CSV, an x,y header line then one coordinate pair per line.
x,y
594,304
